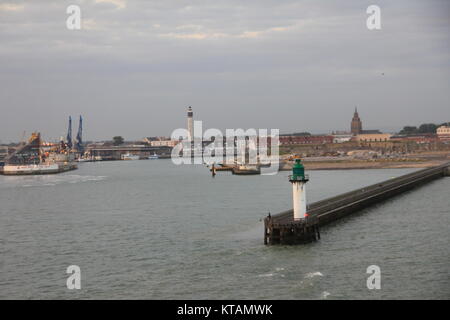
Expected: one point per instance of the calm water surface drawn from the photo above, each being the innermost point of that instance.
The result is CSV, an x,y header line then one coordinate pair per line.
x,y
152,230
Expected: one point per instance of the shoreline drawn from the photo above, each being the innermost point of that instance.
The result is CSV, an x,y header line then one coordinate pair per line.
x,y
330,165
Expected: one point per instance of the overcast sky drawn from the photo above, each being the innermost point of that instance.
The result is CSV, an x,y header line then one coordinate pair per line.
x,y
136,65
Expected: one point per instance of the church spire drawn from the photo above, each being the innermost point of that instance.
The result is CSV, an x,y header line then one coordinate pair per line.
x,y
356,125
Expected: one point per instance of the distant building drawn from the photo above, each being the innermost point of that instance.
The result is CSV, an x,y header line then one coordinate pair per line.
x,y
375,131
373,137
292,140
157,140
417,138
164,143
148,140
340,132
443,133
160,142
356,125
341,138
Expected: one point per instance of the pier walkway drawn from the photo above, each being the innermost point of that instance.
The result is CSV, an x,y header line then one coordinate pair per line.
x,y
282,229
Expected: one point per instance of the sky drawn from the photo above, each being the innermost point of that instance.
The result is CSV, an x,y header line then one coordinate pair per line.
x,y
136,65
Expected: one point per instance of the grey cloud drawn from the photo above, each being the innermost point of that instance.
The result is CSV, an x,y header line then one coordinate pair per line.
x,y
293,65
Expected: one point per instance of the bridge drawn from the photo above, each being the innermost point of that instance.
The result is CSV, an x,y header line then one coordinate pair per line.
x,y
282,229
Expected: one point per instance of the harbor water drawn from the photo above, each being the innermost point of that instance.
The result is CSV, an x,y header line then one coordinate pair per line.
x,y
153,230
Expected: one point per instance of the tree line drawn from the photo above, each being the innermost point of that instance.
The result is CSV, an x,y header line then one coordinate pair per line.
x,y
423,128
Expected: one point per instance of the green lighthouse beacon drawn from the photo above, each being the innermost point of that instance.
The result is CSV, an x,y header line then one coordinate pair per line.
x,y
298,172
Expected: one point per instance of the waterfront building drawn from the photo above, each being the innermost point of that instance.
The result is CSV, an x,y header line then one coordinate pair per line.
x,y
148,140
164,143
341,138
292,140
417,138
443,133
373,137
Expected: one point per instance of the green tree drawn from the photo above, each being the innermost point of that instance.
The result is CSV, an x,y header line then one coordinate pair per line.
x,y
409,130
428,128
301,134
117,140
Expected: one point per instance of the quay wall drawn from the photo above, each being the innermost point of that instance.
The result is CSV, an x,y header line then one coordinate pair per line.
x,y
333,208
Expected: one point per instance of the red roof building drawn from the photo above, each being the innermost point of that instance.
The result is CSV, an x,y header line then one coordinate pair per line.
x,y
292,140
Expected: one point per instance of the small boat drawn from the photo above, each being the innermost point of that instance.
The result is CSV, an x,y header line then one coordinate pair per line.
x,y
223,167
129,156
85,159
153,157
246,170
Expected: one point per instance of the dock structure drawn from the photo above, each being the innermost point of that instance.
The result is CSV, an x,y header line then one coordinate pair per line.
x,y
283,229
116,152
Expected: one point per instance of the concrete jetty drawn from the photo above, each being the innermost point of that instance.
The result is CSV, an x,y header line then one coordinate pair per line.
x,y
283,229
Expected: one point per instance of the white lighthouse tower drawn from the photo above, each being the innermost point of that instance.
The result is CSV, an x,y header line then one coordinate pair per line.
x,y
299,180
190,125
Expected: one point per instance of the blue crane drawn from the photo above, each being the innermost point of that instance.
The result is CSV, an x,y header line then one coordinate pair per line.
x,y
69,134
79,139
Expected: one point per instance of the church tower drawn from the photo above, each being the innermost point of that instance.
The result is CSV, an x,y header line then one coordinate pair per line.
x,y
356,127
